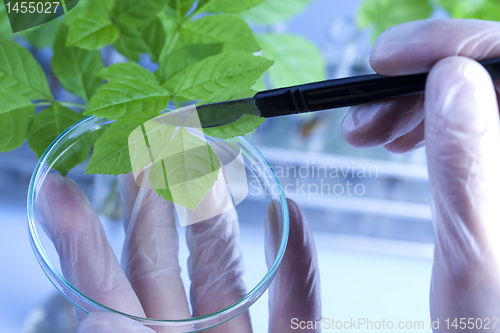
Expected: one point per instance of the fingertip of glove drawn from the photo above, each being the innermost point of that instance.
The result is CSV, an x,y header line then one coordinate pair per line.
x,y
55,181
350,125
407,49
359,126
61,206
57,189
377,56
300,232
457,87
386,53
294,210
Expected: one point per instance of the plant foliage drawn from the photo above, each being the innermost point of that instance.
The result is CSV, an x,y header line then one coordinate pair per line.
x,y
204,51
383,14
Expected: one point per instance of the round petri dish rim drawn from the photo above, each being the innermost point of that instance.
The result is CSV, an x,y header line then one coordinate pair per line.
x,y
191,324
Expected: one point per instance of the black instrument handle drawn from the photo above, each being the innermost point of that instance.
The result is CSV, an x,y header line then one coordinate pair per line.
x,y
344,92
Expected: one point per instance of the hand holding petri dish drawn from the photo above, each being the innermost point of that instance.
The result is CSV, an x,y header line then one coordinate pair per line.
x,y
169,276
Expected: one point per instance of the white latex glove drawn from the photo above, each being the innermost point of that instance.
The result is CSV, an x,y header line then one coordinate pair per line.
x,y
461,132
150,285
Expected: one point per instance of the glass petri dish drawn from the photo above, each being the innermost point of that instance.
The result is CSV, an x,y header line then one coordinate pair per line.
x,y
259,251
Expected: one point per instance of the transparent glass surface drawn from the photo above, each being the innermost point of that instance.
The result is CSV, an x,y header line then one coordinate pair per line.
x,y
247,240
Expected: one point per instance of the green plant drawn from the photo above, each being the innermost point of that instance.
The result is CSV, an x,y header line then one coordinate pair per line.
x,y
205,52
383,14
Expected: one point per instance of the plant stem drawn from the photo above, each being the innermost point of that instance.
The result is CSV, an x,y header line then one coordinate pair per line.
x,y
74,105
180,23
66,104
175,36
179,11
63,3
175,102
172,42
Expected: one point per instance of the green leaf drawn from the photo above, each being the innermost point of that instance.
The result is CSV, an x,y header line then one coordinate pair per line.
x,y
477,9
245,124
273,11
15,127
489,11
184,57
134,41
48,124
123,148
134,13
230,30
79,151
70,4
165,193
187,167
137,98
147,141
15,115
461,8
184,167
5,29
228,94
91,32
111,152
154,38
168,19
383,14
227,6
126,71
185,6
296,60
233,69
75,67
88,7
130,43
20,72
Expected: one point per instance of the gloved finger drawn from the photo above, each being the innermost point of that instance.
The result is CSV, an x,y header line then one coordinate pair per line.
x,y
216,263
87,260
411,141
414,47
410,48
376,124
150,252
463,140
294,295
103,322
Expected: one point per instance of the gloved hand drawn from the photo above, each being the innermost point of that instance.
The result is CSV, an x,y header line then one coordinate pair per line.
x,y
459,122
149,284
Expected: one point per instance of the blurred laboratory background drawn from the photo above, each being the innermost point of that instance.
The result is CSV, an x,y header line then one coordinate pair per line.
x,y
369,209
